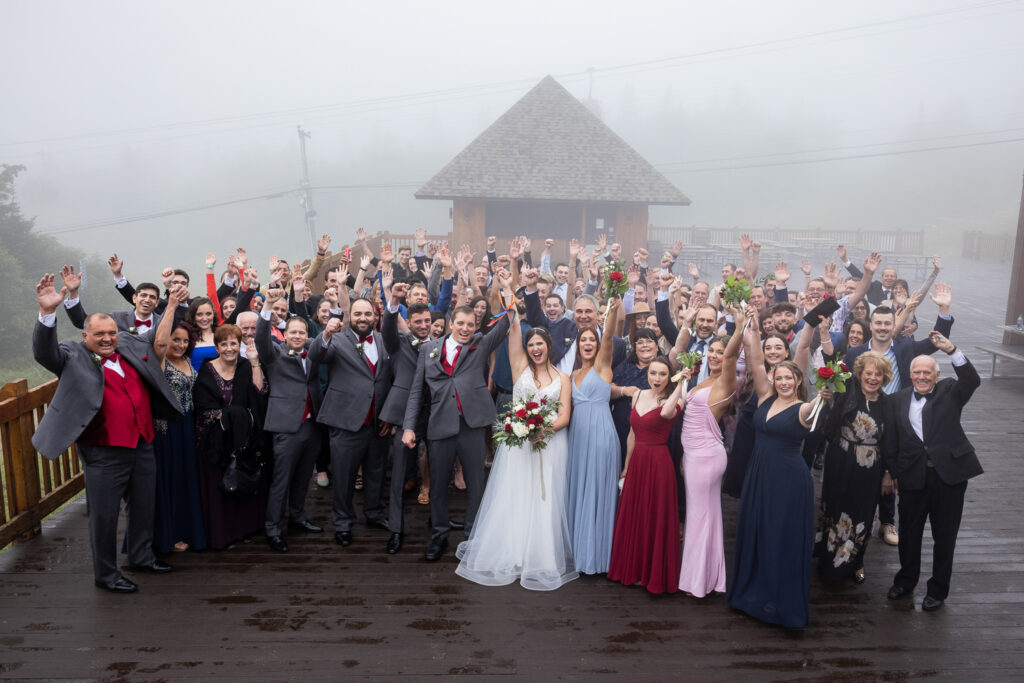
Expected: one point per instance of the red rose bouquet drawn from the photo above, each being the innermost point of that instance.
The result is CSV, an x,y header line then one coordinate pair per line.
x,y
530,421
831,376
614,278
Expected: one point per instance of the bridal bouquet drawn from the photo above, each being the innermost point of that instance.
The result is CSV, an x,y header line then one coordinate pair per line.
x,y
691,360
736,293
528,420
831,376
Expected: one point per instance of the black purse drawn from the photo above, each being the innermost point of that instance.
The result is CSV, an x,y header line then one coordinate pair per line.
x,y
243,474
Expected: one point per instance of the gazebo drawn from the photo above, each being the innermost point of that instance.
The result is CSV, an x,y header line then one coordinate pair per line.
x,y
550,168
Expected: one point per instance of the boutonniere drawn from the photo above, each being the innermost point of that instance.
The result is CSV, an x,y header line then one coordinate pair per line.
x,y
473,347
145,358
133,329
569,341
96,359
415,342
359,347
434,353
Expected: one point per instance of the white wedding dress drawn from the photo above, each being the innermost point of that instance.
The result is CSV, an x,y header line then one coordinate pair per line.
x,y
521,532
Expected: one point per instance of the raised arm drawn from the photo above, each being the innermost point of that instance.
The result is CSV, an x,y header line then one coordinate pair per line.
x,y
755,360
603,362
725,385
162,334
673,402
45,349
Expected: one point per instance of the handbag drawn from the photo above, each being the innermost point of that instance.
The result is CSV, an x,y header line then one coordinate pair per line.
x,y
243,474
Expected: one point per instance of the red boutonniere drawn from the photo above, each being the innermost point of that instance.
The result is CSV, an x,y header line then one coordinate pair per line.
x,y
145,358
473,347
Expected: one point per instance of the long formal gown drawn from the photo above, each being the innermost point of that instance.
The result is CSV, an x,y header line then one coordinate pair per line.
x,y
850,486
521,532
592,487
626,374
645,546
742,449
178,510
771,574
703,564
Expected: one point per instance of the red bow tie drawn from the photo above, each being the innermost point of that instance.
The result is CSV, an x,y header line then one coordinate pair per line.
x,y
368,339
143,323
115,356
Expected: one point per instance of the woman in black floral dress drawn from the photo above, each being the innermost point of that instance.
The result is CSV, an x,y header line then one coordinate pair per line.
x,y
855,470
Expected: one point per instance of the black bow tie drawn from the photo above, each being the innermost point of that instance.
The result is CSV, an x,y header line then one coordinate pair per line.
x,y
924,396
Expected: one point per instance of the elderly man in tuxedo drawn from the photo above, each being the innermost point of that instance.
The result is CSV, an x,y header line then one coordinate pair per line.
x,y
110,386
291,416
360,373
141,321
933,461
451,375
404,349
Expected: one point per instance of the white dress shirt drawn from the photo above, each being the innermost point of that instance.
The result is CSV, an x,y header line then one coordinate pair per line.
x,y
450,346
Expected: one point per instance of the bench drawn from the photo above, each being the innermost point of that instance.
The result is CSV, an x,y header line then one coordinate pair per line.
x,y
1000,353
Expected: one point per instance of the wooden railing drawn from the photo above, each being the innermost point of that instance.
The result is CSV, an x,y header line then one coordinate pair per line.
x,y
33,486
886,241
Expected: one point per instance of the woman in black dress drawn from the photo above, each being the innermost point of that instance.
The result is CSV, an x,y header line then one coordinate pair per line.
x,y
855,470
227,380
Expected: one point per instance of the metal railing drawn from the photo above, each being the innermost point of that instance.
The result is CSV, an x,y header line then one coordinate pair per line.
x,y
32,486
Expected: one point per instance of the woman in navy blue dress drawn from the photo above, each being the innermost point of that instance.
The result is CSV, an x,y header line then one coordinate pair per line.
x,y
775,534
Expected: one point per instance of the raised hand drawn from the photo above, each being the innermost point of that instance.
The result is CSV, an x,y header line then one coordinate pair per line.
x,y
444,257
528,277
72,280
48,297
420,234
252,278
387,277
386,255
782,273
504,278
331,294
677,249
323,243
574,247
298,279
602,243
176,296
548,243
666,261
942,297
643,254
592,269
232,265
399,291
432,249
667,279
116,264
693,271
492,242
526,243
756,247
841,250
273,265
689,314
872,262
745,242
936,263
940,342
675,285
633,275
274,294
831,276
805,266
515,248
243,257
166,275
360,235
211,260
364,262
332,327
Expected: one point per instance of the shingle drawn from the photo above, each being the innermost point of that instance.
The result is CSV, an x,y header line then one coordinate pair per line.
x,y
550,146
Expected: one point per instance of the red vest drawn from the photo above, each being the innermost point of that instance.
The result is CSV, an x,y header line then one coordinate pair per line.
x,y
125,416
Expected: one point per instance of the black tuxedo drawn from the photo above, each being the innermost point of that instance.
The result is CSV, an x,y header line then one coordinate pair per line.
x,y
932,474
876,293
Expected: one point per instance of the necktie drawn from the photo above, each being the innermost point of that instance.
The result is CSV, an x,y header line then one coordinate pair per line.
x,y
455,359
701,344
924,396
143,323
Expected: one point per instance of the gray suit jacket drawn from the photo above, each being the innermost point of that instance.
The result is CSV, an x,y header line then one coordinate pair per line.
x,y
404,356
80,390
350,385
289,383
125,319
467,379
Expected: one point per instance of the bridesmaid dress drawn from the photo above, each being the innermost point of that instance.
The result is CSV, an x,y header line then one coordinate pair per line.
x,y
704,461
593,475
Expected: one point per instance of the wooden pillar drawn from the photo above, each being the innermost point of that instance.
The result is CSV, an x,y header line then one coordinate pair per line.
x,y
469,223
1015,299
631,228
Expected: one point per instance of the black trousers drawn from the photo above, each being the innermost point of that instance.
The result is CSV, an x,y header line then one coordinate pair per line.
x,y
943,504
402,457
469,445
349,450
294,455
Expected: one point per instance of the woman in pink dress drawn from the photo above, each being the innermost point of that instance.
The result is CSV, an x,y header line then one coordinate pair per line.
x,y
704,460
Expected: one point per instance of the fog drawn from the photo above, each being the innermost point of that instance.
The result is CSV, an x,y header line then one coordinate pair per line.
x,y
881,115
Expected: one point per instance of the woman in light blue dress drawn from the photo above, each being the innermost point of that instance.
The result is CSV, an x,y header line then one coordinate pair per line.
x,y
593,475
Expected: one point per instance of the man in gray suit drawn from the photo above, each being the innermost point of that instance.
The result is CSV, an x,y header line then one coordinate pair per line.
x,y
291,411
360,377
141,321
110,386
404,349
453,370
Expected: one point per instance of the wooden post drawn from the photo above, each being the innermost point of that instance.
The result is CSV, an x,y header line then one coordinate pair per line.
x,y
1015,298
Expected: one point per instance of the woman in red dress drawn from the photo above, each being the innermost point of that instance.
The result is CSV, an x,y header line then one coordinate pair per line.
x,y
645,545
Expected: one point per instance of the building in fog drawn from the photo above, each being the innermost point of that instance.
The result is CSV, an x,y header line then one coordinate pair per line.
x,y
550,168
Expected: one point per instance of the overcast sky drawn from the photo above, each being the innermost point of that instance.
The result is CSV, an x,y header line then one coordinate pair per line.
x,y
120,109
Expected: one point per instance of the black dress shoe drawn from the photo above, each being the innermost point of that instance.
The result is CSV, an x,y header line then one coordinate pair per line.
x,y
394,544
435,550
455,525
344,538
305,525
378,523
155,567
897,592
277,543
121,585
930,604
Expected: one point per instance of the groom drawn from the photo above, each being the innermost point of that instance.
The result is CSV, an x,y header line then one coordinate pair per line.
x,y
453,370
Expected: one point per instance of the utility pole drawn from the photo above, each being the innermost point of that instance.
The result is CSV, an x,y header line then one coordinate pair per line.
x,y
306,199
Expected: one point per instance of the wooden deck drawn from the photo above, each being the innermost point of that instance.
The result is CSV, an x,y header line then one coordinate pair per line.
x,y
321,612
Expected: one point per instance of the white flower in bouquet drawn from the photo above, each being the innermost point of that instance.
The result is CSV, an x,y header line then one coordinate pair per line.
x,y
520,430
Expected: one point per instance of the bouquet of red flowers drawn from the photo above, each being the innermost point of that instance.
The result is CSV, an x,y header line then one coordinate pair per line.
x,y
527,420
690,359
613,275
831,376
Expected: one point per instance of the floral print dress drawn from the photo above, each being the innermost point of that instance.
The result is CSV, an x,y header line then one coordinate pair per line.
x,y
850,487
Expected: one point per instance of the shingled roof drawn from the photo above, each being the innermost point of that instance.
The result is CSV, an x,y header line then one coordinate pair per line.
x,y
550,146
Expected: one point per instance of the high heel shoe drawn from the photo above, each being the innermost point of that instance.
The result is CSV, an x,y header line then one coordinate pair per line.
x,y
858,576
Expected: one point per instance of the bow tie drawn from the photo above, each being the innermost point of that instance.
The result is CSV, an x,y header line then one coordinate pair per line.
x,y
920,396
115,357
368,339
143,323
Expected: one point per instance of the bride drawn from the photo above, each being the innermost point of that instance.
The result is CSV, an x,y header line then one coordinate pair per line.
x,y
521,532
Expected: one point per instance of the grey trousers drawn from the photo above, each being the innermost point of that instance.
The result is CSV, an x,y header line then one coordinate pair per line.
x,y
469,445
402,456
113,473
294,457
349,450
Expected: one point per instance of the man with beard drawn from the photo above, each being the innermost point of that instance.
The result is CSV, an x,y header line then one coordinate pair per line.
x,y
404,349
360,372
